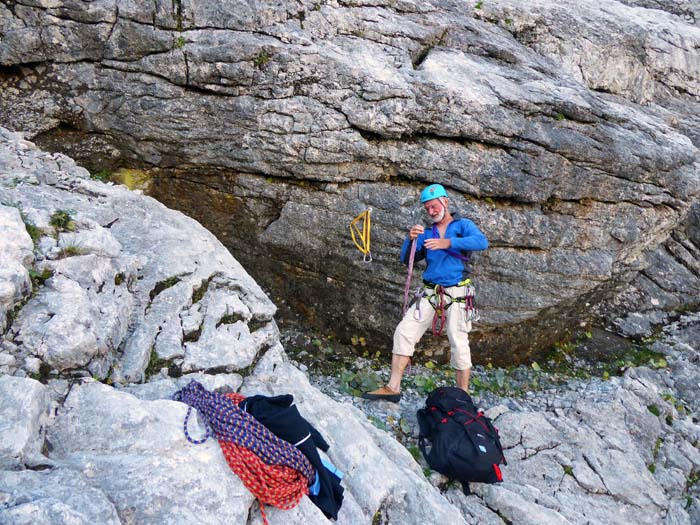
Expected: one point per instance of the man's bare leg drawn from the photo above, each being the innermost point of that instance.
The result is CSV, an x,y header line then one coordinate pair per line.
x,y
462,377
398,365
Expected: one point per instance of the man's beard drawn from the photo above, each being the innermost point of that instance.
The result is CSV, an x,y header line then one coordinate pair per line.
x,y
439,217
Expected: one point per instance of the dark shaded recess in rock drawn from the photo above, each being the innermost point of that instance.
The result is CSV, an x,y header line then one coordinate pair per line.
x,y
298,286
93,149
336,296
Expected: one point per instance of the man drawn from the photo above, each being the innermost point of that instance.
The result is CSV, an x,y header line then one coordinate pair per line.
x,y
445,247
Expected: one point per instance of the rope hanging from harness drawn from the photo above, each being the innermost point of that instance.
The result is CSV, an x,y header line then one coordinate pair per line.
x,y
407,288
362,241
273,470
440,310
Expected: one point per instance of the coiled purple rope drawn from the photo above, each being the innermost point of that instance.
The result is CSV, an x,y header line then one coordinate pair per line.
x,y
227,422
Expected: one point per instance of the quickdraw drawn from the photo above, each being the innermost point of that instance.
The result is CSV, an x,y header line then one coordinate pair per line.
x,y
364,234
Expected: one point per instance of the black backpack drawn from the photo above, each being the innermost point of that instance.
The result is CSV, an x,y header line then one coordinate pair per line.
x,y
465,445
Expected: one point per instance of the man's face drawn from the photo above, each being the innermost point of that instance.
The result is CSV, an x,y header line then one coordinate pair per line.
x,y
435,208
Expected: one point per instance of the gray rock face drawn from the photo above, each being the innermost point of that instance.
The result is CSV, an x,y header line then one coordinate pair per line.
x,y
612,452
275,124
124,275
669,282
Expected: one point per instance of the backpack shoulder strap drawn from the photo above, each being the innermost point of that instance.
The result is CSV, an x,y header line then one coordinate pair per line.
x,y
424,426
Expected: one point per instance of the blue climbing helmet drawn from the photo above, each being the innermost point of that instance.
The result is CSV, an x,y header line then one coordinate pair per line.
x,y
433,191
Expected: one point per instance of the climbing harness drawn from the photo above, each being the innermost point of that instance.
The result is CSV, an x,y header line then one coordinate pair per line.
x,y
363,244
273,470
440,300
440,309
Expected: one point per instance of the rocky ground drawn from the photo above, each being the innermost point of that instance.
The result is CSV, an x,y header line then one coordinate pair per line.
x,y
567,411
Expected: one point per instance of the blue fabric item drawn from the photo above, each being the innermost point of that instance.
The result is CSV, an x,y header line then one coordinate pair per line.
x,y
442,267
330,466
316,487
280,415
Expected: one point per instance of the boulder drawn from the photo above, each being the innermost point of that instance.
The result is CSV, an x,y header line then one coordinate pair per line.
x,y
567,132
113,289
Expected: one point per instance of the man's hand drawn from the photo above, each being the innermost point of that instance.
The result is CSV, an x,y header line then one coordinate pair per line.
x,y
415,231
438,244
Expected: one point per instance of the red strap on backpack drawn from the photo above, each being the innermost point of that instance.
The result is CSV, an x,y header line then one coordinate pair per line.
x,y
497,470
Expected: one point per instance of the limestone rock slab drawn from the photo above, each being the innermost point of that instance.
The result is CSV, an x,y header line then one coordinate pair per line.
x,y
23,412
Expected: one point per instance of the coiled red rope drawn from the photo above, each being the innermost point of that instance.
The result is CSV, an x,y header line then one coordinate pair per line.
x,y
273,470
276,485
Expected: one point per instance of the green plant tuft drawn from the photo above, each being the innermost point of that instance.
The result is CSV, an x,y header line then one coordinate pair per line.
x,y
377,422
102,176
70,251
425,384
230,319
262,59
39,278
198,293
657,447
62,220
356,383
163,285
34,232
155,364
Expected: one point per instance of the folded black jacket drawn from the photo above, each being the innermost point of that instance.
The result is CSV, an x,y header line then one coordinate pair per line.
x,y
281,417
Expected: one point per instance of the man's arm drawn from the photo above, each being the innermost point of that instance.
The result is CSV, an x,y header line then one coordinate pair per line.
x,y
472,239
406,249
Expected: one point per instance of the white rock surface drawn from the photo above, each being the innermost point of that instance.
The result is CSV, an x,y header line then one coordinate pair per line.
x,y
54,497
23,412
16,256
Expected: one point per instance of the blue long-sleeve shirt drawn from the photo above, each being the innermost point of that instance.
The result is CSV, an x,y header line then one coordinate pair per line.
x,y
443,267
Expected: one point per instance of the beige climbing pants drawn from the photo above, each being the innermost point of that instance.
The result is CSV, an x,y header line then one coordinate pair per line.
x,y
411,328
